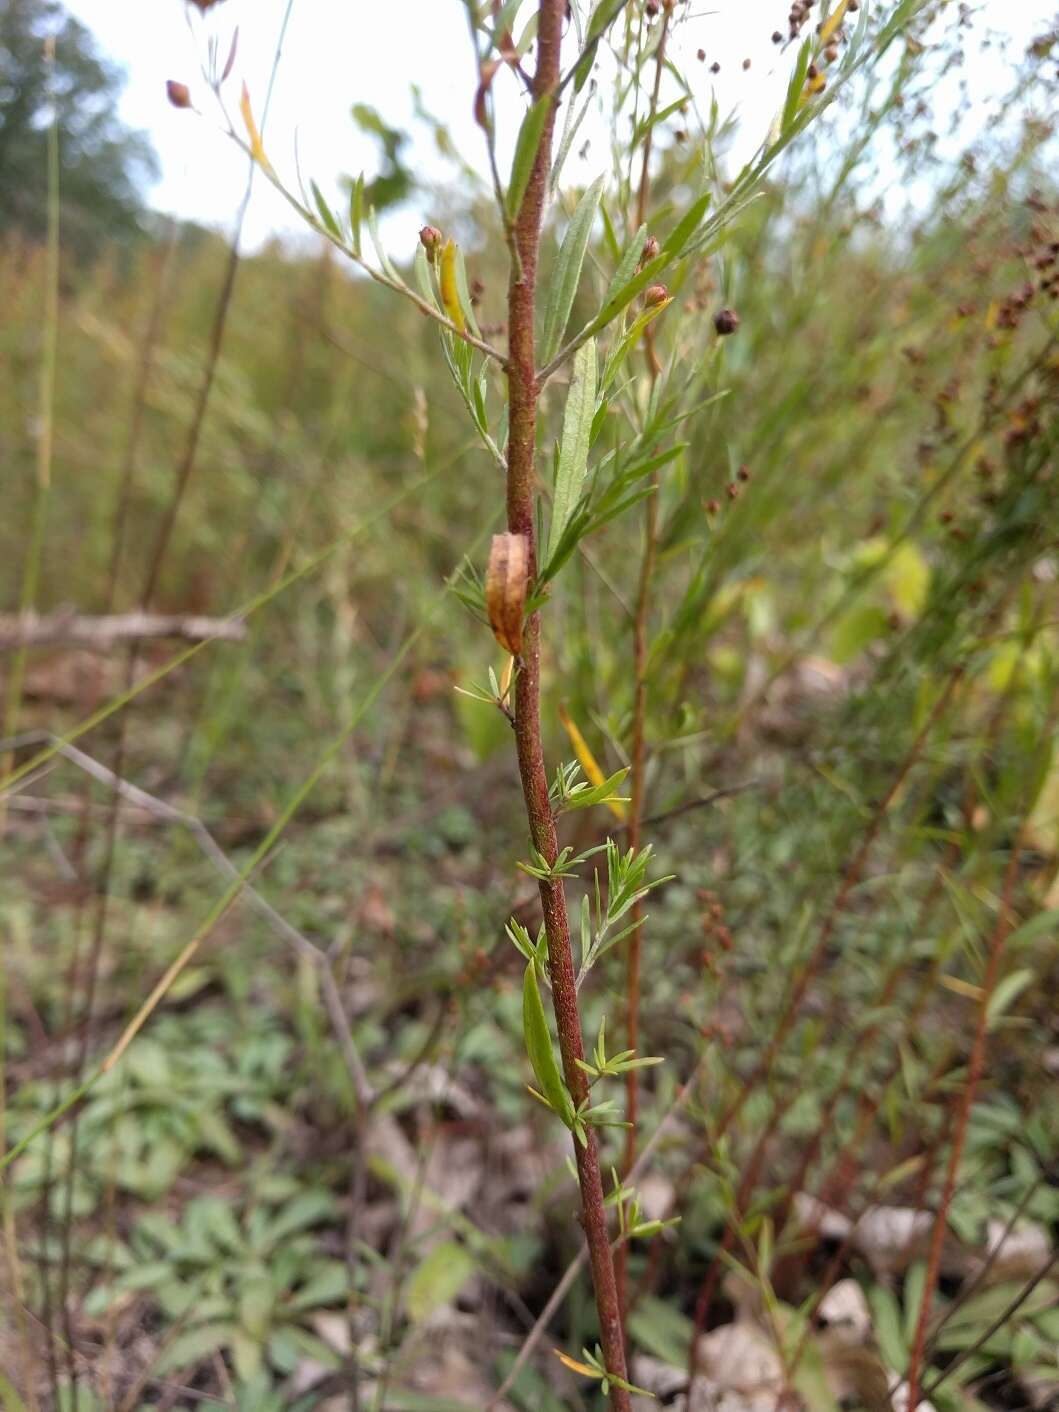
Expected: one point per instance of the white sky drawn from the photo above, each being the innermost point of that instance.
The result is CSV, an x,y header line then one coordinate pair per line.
x,y
339,52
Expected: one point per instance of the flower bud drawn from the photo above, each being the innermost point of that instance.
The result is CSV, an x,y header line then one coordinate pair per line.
x,y
430,238
178,93
726,321
650,249
654,295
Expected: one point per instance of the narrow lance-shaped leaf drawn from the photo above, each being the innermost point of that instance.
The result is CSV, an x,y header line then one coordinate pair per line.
x,y
529,141
326,214
449,293
356,212
568,268
539,1048
257,151
577,432
627,265
606,12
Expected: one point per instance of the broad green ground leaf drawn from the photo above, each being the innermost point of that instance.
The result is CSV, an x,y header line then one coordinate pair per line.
x,y
908,580
193,1346
439,1279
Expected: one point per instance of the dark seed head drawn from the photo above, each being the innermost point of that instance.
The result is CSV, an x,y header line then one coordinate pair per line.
x,y
726,321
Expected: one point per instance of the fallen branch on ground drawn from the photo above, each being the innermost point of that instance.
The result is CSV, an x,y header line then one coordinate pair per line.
x,y
99,633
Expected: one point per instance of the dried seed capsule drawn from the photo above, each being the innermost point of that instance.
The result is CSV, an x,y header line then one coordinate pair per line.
x,y
178,93
506,584
726,321
650,249
655,294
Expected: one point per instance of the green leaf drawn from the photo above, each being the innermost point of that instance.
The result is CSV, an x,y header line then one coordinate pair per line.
x,y
855,630
1043,924
9,1398
886,1318
577,432
907,578
539,1048
306,1209
662,1330
529,141
356,212
796,85
627,265
256,1301
1008,990
148,1063
567,273
327,1285
248,1355
438,1280
190,1348
915,1284
330,224
604,15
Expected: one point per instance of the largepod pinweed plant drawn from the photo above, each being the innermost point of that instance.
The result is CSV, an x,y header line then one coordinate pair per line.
x,y
576,339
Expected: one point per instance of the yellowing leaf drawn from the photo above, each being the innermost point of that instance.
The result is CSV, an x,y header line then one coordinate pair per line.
x,y
585,1369
588,761
961,987
908,580
449,293
256,149
833,21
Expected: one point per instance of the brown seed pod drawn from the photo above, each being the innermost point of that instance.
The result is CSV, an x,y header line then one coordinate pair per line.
x,y
178,93
655,294
726,321
506,584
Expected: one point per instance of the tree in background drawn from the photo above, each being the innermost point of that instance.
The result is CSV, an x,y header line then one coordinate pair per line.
x,y
104,164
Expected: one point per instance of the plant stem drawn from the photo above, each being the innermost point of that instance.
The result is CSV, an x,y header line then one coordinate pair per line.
x,y
638,756
523,397
967,1096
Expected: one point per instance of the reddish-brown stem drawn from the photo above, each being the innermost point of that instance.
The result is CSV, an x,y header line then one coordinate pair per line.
x,y
962,1117
523,395
638,755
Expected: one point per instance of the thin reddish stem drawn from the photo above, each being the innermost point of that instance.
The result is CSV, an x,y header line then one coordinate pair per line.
x,y
523,397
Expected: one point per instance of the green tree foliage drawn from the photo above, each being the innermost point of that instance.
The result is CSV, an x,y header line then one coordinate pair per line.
x,y
103,163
